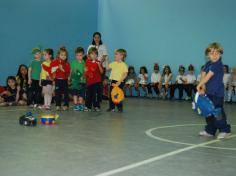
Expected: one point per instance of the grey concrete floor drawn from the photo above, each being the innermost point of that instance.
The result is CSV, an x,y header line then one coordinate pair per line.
x,y
88,143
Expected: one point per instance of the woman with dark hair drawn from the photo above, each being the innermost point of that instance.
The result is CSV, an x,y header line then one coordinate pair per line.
x,y
22,81
102,50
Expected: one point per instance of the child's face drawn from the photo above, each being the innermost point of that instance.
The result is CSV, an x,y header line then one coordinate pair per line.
x,y
11,83
142,71
79,56
181,72
23,70
37,56
214,55
191,72
225,70
62,55
118,57
156,70
234,71
46,56
93,56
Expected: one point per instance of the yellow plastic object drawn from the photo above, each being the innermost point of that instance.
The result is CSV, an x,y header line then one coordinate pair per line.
x,y
117,94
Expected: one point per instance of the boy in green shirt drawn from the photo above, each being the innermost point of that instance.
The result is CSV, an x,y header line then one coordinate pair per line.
x,y
34,92
78,80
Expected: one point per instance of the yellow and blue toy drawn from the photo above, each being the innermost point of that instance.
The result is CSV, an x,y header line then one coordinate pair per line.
x,y
49,119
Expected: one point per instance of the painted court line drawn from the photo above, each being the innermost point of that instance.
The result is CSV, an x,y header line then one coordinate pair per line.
x,y
149,134
159,157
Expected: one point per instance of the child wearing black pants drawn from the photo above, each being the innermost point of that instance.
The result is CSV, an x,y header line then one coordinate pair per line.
x,y
93,97
119,71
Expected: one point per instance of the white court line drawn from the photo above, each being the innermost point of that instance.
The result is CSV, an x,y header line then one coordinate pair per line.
x,y
159,157
149,134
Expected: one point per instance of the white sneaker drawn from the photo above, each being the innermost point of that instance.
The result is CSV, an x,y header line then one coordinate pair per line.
x,y
205,134
223,135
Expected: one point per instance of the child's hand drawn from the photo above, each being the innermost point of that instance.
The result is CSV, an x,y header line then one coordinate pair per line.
x,y
201,89
29,81
61,67
118,83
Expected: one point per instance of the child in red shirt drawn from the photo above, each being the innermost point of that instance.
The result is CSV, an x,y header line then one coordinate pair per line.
x,y
93,76
60,69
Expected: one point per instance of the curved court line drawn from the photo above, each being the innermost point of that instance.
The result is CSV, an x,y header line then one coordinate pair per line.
x,y
159,157
149,134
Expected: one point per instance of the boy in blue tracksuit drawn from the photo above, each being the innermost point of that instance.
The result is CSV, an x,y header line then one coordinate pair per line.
x,y
211,83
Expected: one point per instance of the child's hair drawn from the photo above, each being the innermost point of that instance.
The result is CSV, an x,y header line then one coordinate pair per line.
x,y
10,78
99,34
50,52
21,76
131,68
216,46
181,68
202,67
227,68
122,51
190,67
156,66
92,50
164,70
63,49
79,50
143,68
36,50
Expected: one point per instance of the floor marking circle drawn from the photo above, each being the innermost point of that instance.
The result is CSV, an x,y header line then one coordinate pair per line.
x,y
149,134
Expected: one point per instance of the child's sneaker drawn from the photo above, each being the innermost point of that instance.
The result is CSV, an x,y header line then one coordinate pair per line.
x,y
110,110
58,108
76,108
223,135
96,109
86,109
205,134
120,110
65,108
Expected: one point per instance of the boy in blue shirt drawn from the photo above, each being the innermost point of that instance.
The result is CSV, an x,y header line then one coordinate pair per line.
x,y
211,83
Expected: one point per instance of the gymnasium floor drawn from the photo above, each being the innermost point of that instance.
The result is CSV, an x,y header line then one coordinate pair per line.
x,y
151,138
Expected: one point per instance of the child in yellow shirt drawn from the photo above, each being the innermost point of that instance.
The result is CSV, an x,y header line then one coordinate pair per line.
x,y
119,71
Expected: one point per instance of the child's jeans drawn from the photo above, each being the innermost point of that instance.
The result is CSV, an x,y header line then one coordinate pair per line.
x,y
220,122
93,96
111,104
61,88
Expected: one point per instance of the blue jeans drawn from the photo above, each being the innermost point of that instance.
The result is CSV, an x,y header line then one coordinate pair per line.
x,y
220,122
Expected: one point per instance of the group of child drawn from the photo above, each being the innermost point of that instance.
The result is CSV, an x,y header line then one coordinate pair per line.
x,y
164,86
55,79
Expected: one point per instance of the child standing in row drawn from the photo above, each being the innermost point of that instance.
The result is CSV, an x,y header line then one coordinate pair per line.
x,y
212,84
93,76
226,81
34,92
119,71
46,80
78,80
60,68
